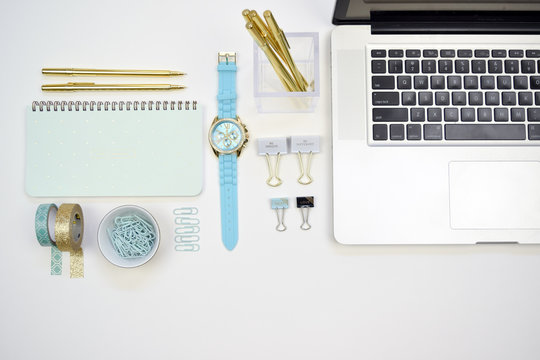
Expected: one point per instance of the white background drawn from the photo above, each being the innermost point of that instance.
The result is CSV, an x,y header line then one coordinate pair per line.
x,y
291,295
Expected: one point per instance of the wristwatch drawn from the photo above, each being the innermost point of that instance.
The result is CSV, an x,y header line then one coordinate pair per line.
x,y
228,137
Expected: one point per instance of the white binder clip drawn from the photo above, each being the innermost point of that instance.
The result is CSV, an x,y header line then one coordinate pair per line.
x,y
273,146
305,145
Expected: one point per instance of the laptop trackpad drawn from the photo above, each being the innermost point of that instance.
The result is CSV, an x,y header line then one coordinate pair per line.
x,y
494,195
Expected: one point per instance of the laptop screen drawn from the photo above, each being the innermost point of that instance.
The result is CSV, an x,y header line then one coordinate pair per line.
x,y
359,11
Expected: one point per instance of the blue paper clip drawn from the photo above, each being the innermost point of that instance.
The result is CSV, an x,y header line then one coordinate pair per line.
x,y
280,204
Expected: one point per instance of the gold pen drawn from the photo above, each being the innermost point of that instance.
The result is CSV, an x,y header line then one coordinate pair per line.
x,y
108,72
280,70
284,46
81,86
266,34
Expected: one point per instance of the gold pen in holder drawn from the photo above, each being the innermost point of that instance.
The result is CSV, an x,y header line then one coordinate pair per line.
x,y
89,86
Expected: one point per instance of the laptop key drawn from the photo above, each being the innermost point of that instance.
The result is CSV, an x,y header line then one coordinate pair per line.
x,y
528,66
397,132
420,82
462,66
445,66
429,66
476,98
484,132
487,82
380,132
430,53
511,66
448,53
537,98
408,98
467,115
385,98
395,53
521,83
525,98
412,66
534,131
498,53
451,114
432,132
481,53
479,66
535,82
404,82
484,114
418,114
382,83
533,114
471,82
516,53
395,66
442,98
390,115
501,114
517,114
414,132
504,82
454,82
459,98
434,115
492,98
425,98
464,53
378,66
532,53
437,82
414,53
378,53
508,98
495,66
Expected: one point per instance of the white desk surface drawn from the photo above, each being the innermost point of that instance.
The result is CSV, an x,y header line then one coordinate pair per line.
x,y
291,295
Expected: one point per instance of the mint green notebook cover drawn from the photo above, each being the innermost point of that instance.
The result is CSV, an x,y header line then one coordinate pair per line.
x,y
114,152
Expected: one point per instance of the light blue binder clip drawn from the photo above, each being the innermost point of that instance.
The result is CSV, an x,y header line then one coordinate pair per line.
x,y
280,204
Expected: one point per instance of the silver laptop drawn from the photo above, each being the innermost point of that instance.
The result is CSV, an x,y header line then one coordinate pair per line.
x,y
436,122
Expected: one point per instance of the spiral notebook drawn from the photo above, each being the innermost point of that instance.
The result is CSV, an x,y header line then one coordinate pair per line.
x,y
114,149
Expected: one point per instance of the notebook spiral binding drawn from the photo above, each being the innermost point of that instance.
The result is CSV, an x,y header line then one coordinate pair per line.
x,y
113,105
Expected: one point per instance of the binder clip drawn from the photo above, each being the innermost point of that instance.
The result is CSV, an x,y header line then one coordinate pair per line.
x,y
305,145
273,146
280,204
304,203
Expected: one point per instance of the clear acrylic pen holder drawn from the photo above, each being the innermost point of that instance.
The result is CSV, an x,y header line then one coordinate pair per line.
x,y
270,95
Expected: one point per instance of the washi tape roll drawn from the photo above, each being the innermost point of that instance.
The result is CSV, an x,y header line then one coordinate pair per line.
x,y
68,233
44,221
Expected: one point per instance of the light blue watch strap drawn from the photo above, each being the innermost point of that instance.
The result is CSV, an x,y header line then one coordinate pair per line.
x,y
227,90
229,200
227,162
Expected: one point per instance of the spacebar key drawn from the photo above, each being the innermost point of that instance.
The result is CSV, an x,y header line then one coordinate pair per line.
x,y
485,132
390,114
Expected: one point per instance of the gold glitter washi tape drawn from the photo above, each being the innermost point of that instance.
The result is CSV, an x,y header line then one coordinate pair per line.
x,y
68,233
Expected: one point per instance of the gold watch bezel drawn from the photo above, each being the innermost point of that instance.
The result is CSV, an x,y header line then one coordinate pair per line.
x,y
240,146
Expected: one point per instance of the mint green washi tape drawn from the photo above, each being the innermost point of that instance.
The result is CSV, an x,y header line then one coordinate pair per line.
x,y
45,219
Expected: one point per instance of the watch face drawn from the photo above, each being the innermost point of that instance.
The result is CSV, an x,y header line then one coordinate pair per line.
x,y
226,136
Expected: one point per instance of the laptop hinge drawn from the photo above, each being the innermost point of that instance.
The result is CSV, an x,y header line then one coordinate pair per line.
x,y
455,22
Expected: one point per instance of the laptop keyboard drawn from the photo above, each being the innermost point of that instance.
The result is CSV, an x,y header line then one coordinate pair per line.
x,y
454,96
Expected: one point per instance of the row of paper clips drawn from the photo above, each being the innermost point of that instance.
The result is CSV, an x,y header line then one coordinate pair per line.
x,y
304,203
186,233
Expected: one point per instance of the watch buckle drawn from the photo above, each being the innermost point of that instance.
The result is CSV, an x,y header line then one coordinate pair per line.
x,y
226,57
